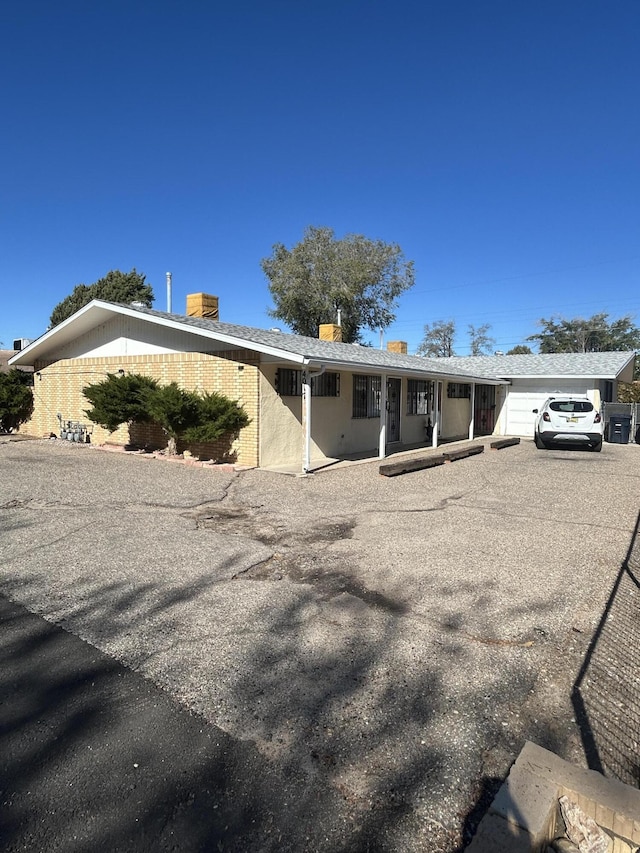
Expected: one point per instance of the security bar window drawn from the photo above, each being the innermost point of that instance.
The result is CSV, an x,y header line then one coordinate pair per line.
x,y
458,390
366,396
419,395
289,383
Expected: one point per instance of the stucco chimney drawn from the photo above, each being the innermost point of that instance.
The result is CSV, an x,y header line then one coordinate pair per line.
x,y
330,332
397,346
202,305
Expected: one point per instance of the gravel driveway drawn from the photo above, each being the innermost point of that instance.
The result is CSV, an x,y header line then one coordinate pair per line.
x,y
386,644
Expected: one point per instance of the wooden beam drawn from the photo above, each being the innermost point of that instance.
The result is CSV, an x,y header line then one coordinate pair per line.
x,y
406,466
463,452
504,442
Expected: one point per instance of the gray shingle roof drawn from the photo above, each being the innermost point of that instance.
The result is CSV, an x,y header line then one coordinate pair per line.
x,y
605,365
315,349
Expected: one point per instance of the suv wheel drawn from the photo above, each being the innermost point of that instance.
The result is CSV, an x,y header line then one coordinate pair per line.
x,y
539,442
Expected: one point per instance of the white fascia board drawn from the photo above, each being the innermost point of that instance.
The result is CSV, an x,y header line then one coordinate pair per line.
x,y
552,376
82,321
96,312
390,370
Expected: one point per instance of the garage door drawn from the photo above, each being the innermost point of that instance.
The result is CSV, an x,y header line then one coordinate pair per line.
x,y
528,394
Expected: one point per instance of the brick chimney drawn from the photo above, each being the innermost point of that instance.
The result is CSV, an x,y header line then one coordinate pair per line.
x,y
202,305
330,332
397,346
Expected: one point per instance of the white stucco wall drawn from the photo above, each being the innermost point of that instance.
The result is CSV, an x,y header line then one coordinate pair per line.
x,y
334,432
455,417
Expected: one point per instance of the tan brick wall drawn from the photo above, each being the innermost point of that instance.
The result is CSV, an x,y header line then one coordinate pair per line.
x,y
58,388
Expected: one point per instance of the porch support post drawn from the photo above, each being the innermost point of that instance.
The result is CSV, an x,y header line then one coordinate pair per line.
x,y
436,414
473,406
306,421
382,439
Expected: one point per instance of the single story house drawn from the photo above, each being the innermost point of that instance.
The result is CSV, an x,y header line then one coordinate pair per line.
x,y
307,398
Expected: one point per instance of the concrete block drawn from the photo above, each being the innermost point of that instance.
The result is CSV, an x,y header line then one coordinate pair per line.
x,y
495,835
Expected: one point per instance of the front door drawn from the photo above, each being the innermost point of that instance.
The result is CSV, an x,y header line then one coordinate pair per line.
x,y
393,410
484,410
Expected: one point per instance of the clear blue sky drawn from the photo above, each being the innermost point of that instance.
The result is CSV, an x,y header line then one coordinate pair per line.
x,y
497,142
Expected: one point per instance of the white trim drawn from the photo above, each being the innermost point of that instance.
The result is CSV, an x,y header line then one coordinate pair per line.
x,y
473,402
382,437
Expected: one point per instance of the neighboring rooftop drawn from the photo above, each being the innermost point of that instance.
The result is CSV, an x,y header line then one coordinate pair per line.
x,y
605,365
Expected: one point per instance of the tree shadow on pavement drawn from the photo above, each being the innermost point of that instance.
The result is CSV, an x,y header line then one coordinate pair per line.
x,y
338,748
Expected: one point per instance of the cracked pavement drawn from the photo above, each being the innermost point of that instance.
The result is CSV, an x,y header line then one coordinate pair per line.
x,y
384,645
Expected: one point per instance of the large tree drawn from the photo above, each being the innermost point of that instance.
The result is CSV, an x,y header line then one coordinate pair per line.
x,y
520,349
438,339
116,286
479,339
594,334
322,274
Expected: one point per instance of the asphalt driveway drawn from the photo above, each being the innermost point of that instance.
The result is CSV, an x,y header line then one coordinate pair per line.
x,y
371,652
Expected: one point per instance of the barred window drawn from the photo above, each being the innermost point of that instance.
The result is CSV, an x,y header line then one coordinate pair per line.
x,y
325,385
457,390
289,383
419,395
366,396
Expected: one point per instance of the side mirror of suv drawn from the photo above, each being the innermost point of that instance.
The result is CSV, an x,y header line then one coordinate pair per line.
x,y
535,411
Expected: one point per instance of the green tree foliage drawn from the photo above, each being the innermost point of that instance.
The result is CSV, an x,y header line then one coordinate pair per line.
x,y
119,399
321,274
438,339
116,286
16,399
595,334
520,349
218,416
197,418
174,409
479,339
629,392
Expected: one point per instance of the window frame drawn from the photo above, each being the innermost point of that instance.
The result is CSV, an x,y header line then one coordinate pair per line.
x,y
325,384
419,400
363,408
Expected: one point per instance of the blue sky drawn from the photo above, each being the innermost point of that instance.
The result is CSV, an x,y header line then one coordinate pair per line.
x,y
496,142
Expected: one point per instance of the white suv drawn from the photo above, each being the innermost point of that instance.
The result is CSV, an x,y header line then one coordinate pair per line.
x,y
568,420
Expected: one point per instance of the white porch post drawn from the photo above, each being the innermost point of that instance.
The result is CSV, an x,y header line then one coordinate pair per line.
x,y
473,405
436,414
382,439
306,420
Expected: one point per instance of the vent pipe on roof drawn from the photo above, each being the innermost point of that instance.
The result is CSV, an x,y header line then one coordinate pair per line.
x,y
168,293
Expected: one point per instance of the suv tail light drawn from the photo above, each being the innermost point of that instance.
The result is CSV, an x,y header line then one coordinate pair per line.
x,y
597,418
545,416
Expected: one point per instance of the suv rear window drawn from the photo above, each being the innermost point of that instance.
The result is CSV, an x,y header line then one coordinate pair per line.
x,y
575,406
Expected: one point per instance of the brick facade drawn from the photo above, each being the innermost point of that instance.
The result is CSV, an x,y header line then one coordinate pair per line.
x,y
58,388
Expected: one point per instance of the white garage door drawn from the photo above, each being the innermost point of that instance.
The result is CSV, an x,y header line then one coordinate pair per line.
x,y
528,394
